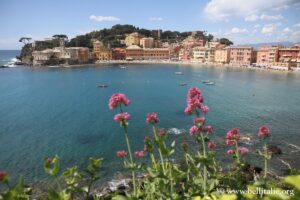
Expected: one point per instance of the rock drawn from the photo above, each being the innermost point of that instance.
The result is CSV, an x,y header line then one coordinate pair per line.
x,y
275,150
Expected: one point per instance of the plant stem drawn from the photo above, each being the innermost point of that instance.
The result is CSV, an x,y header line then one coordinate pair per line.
x,y
237,154
159,151
266,161
131,160
204,167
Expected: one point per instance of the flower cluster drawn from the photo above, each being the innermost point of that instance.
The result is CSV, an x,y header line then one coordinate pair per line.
x,y
139,154
121,154
118,99
122,117
3,176
211,145
152,118
232,136
263,131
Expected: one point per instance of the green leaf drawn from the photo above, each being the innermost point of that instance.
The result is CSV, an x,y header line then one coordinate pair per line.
x,y
52,166
293,181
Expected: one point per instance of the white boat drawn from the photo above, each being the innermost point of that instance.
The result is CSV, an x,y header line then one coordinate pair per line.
x,y
210,83
205,81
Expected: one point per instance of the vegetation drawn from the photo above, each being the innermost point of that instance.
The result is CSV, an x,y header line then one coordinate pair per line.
x,y
201,177
226,41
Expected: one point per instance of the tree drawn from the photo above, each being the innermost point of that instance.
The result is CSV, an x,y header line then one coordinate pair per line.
x,y
226,41
25,40
58,36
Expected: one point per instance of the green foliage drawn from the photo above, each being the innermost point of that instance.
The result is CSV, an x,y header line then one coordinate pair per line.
x,y
226,41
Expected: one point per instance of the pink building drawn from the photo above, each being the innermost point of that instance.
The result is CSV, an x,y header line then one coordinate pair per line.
x,y
267,55
242,55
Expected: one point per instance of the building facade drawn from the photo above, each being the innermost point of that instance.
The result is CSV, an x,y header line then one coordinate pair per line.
x,y
133,39
156,53
147,42
222,55
118,54
242,55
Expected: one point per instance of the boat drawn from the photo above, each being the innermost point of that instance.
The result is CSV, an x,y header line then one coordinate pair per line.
x,y
182,84
210,83
178,73
103,86
205,81
122,67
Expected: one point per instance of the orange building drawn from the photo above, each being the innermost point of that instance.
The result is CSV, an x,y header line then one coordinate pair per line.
x,y
118,54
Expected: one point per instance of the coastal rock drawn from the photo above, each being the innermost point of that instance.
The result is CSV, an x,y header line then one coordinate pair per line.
x,y
275,150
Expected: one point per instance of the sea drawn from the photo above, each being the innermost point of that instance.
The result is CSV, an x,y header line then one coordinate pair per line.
x,y
47,111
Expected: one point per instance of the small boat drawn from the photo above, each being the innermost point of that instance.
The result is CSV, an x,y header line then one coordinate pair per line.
x,y
205,81
103,86
122,66
210,83
178,73
182,84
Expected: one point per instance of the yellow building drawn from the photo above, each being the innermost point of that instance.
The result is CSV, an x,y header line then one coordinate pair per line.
x,y
133,39
156,53
222,55
100,52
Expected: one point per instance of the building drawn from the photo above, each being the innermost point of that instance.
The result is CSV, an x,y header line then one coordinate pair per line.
x,y
185,54
118,54
203,54
100,52
133,39
222,55
190,41
147,42
242,55
80,54
291,54
212,44
156,53
134,52
267,55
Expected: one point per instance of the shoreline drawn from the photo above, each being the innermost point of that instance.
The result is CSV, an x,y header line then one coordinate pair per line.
x,y
147,62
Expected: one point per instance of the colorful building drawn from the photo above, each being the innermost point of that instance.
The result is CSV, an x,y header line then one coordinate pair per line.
x,y
291,54
147,42
134,52
118,54
100,52
156,53
133,39
185,54
203,54
222,55
242,55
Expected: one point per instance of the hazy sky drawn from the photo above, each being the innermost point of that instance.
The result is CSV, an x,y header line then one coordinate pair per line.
x,y
242,21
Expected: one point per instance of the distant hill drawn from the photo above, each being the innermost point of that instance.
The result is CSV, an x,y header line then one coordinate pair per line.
x,y
258,45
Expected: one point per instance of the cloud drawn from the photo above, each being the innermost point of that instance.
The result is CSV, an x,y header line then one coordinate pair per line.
x,y
251,18
268,29
104,18
297,25
155,19
236,30
256,26
287,30
225,9
271,17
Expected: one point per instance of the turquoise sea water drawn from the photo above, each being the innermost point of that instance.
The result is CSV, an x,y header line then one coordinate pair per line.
x,y
48,111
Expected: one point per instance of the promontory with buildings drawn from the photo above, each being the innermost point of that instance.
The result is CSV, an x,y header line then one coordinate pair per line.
x,y
130,44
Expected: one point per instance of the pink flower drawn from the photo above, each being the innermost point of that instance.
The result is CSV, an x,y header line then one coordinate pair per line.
x,y
194,130
230,152
263,131
231,142
188,110
49,161
199,121
194,92
122,117
152,118
139,154
243,150
3,176
209,129
232,136
211,145
204,109
121,154
162,132
118,99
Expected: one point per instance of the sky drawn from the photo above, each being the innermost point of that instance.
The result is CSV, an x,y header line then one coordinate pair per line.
x,y
242,21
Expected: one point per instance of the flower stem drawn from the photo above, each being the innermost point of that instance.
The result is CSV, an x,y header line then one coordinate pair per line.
x,y
160,153
266,161
131,160
204,168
